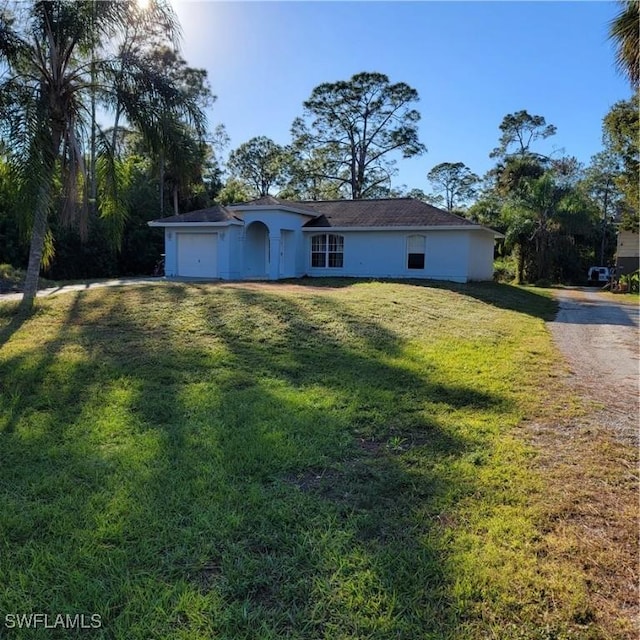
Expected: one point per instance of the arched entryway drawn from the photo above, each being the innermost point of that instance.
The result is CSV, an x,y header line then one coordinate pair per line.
x,y
256,250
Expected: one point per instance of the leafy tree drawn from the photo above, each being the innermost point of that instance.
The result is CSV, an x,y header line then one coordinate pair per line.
x,y
549,218
58,60
260,163
487,211
567,170
455,181
309,172
359,123
519,228
624,30
141,245
146,29
137,39
183,152
599,184
179,148
519,131
418,194
510,174
517,162
620,134
13,249
541,214
233,192
214,168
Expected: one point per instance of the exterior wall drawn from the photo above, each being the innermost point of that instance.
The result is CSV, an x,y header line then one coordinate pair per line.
x,y
481,255
383,254
628,246
229,255
627,265
286,242
448,255
170,252
285,246
452,255
627,252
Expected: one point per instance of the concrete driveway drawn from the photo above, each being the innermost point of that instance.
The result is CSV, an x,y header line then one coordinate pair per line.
x,y
599,337
53,291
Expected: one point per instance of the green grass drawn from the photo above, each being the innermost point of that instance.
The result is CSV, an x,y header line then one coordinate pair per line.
x,y
331,461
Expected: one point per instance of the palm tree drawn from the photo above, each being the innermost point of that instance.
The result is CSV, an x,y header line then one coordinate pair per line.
x,y
59,60
542,212
624,30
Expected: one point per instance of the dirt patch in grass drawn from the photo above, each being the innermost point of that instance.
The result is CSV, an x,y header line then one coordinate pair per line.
x,y
209,575
283,286
590,512
313,479
370,446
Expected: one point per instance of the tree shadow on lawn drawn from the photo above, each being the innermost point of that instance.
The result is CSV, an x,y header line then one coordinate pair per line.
x,y
11,319
502,296
186,478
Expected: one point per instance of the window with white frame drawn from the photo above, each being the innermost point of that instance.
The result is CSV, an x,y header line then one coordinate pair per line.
x,y
327,250
415,252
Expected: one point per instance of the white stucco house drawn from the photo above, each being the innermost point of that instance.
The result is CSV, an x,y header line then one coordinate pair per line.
x,y
272,239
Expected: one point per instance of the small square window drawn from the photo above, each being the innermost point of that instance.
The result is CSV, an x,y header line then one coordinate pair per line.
x,y
416,261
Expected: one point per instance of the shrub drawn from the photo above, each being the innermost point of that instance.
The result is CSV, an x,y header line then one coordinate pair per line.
x,y
504,269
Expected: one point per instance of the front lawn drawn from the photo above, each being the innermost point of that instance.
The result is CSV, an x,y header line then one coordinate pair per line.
x,y
265,461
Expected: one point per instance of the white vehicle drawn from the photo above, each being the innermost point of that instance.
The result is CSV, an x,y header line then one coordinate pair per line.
x,y
598,275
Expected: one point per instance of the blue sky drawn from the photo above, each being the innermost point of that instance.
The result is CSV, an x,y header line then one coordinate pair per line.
x,y
471,63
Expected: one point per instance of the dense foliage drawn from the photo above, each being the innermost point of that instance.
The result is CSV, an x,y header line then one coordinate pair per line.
x,y
93,189
61,60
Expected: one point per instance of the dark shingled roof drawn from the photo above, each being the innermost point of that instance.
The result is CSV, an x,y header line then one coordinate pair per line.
x,y
212,214
270,201
392,212
263,201
389,212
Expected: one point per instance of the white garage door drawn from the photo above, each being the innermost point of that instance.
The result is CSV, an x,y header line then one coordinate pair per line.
x,y
198,255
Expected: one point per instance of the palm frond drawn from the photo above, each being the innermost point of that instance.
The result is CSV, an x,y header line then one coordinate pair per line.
x,y
111,190
60,58
624,30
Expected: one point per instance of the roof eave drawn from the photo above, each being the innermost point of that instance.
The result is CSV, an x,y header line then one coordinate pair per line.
x,y
271,207
442,227
223,223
